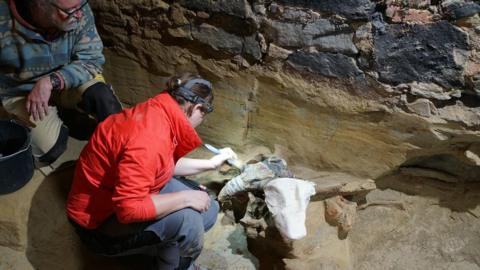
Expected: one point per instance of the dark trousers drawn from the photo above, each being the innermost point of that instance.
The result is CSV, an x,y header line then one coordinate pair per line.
x,y
98,100
172,242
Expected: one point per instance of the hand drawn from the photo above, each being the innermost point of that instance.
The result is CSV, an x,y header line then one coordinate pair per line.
x,y
197,200
37,100
225,154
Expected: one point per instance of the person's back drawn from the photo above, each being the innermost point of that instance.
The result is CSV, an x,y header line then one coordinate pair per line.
x,y
145,133
124,198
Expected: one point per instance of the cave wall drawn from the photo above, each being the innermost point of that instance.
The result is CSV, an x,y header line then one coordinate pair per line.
x,y
357,86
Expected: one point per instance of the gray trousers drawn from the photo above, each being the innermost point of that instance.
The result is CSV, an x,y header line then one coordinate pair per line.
x,y
173,242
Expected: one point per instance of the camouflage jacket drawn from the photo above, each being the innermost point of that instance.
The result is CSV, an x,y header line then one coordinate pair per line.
x,y
26,56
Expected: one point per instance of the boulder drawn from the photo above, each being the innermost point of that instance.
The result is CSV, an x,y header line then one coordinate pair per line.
x,y
406,53
458,9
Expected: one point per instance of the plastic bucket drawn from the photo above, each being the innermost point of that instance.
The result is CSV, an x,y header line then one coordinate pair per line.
x,y
16,160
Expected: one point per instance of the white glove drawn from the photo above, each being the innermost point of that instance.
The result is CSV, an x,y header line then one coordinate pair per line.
x,y
224,155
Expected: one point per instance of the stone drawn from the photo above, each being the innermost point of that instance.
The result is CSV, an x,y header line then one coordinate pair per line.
x,y
226,247
325,64
422,107
320,33
220,40
260,9
458,113
363,39
203,15
434,174
417,53
394,12
217,38
252,46
350,9
431,91
419,3
447,165
418,16
341,213
277,53
341,43
177,16
458,9
237,8
160,4
329,184
180,32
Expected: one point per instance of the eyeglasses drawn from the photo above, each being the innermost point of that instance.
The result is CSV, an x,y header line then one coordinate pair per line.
x,y
207,108
70,13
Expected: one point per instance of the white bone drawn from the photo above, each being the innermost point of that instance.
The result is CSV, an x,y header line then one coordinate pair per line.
x,y
287,199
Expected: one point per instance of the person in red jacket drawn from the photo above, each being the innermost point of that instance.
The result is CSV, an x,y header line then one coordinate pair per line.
x,y
124,199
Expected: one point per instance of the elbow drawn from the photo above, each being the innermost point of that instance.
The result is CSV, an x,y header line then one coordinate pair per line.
x,y
125,216
130,212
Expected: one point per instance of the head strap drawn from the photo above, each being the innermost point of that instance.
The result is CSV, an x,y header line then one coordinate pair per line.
x,y
191,83
186,92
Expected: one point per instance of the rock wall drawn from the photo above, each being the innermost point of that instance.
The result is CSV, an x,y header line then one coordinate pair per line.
x,y
358,86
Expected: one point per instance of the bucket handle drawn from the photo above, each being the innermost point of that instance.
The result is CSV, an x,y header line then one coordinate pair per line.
x,y
26,145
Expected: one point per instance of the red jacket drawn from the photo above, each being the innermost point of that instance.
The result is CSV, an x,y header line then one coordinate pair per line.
x,y
131,155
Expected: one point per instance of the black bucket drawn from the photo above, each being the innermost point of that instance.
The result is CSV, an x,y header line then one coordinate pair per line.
x,y
16,160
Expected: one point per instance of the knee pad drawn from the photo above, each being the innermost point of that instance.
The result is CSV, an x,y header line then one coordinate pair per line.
x,y
100,100
58,148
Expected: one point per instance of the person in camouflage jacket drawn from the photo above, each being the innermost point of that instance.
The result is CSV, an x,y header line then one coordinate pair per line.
x,y
51,56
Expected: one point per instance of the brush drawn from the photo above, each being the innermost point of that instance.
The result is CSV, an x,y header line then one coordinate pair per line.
x,y
232,162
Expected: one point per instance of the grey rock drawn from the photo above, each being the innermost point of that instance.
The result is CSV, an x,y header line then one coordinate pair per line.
x,y
295,15
457,9
422,107
217,38
220,40
448,164
460,113
321,27
430,91
237,8
276,52
320,33
336,43
408,53
326,64
350,9
284,34
476,84
252,47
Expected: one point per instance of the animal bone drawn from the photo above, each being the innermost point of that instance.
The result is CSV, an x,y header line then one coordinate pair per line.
x,y
255,176
341,212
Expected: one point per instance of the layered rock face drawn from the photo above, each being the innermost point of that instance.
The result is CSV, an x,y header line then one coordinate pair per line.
x,y
386,90
358,86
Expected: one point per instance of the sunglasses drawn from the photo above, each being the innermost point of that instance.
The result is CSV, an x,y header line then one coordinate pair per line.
x,y
70,13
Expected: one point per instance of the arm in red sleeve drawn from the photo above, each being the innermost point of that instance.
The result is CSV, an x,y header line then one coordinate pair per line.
x,y
136,174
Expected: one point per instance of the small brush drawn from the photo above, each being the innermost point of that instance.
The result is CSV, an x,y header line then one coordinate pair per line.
x,y
232,162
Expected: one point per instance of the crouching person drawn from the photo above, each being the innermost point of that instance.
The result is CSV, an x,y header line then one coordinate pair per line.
x,y
51,58
124,199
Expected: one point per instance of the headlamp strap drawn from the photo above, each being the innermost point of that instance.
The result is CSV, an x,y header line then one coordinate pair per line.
x,y
186,92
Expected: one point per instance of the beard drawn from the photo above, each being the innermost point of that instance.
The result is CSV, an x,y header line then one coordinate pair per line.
x,y
69,25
